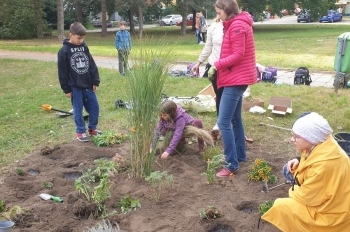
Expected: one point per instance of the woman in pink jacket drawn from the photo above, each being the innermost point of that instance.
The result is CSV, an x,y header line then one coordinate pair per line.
x,y
235,71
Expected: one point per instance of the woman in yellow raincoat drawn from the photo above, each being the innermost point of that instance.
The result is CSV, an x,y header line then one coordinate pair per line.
x,y
320,197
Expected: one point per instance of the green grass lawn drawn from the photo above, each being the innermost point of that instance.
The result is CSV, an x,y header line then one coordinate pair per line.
x,y
284,46
26,85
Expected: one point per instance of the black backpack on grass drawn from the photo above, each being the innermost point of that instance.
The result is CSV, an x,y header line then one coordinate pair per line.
x,y
302,76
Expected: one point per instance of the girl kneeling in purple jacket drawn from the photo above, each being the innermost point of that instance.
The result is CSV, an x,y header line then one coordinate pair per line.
x,y
173,117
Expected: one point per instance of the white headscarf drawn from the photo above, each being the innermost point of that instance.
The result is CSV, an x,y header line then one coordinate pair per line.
x,y
313,128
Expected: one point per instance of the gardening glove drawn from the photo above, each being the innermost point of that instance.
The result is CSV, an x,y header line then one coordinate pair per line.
x,y
211,73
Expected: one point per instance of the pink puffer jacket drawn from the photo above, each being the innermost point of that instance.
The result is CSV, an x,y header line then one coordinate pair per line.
x,y
236,65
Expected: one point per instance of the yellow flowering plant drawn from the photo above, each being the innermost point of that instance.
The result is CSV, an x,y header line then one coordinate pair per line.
x,y
260,170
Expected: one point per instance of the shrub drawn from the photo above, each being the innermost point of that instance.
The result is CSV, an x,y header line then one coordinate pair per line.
x,y
161,182
260,170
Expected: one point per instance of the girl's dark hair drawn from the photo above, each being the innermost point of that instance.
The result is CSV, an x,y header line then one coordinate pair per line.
x,y
169,108
230,7
77,29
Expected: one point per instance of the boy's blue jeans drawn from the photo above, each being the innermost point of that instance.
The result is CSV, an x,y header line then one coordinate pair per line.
x,y
231,126
85,98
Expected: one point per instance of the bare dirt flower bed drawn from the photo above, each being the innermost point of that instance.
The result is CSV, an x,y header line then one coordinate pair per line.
x,y
236,199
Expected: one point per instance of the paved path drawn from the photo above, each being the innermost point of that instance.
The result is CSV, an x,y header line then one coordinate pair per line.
x,y
325,79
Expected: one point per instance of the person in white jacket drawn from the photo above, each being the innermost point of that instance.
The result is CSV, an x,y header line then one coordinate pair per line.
x,y
211,51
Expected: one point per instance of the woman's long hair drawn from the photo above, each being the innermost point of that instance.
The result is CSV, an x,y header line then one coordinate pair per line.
x,y
230,7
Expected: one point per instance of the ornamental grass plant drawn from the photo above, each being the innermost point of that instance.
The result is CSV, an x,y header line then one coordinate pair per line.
x,y
145,84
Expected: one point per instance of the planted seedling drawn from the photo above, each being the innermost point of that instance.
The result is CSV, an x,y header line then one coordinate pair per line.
x,y
127,204
261,171
108,138
47,185
210,213
161,183
94,184
212,165
264,207
2,206
19,171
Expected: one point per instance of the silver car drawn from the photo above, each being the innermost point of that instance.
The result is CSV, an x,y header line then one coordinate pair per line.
x,y
172,19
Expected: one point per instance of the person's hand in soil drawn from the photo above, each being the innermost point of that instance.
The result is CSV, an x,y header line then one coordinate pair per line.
x,y
164,155
292,164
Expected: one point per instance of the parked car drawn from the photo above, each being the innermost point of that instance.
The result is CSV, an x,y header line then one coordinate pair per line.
x,y
171,19
99,24
284,12
189,21
304,16
332,16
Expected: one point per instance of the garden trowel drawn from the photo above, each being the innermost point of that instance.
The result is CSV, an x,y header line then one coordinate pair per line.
x,y
46,197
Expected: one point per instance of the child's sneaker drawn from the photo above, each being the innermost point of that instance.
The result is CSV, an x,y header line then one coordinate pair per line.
x,y
225,172
216,127
94,132
82,137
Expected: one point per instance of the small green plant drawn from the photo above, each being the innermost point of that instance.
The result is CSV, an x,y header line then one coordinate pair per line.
x,y
210,152
161,182
108,138
127,204
47,185
260,170
94,184
19,171
265,206
2,206
212,165
210,213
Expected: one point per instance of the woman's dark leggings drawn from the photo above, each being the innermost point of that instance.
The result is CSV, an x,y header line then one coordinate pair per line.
x,y
218,92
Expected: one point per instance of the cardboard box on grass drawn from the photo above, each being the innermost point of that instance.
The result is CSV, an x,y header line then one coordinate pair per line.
x,y
209,90
280,105
249,103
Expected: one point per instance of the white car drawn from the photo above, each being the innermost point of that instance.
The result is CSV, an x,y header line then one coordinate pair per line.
x,y
172,19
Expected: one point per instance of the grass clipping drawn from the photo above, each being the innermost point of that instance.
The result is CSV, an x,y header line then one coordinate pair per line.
x,y
145,86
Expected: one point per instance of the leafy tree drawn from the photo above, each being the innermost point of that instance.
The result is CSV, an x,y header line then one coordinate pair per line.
x,y
17,19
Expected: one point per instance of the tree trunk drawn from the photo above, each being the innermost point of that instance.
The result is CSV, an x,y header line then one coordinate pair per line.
x,y
140,18
79,11
193,19
38,19
60,20
184,18
131,20
104,23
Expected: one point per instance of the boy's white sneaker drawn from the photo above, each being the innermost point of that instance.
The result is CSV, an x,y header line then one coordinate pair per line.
x,y
216,127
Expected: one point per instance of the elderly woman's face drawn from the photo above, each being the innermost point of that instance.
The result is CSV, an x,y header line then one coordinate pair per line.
x,y
221,13
299,142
